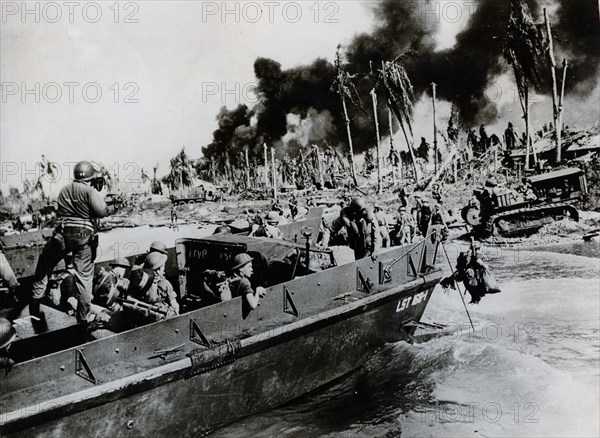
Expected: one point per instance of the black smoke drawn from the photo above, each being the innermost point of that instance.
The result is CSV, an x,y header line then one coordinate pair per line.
x,y
463,73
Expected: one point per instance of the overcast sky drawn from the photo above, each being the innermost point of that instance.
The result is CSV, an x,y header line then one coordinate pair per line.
x,y
162,78
128,84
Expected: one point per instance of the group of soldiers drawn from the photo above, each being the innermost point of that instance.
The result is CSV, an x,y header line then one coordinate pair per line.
x,y
75,240
143,285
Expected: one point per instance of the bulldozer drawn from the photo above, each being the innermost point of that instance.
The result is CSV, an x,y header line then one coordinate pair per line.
x,y
541,200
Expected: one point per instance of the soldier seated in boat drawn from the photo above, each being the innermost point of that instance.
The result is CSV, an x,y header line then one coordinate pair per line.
x,y
239,281
161,291
156,246
108,279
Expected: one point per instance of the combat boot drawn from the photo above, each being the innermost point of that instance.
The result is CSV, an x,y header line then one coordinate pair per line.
x,y
39,318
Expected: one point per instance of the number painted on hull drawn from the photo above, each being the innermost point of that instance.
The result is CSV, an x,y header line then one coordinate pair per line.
x,y
413,300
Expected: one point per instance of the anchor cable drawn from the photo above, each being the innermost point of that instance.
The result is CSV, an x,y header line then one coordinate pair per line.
x,y
458,288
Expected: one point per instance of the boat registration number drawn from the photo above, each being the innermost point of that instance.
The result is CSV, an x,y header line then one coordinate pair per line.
x,y
413,300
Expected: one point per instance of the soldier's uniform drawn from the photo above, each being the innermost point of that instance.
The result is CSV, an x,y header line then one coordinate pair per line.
x,y
79,204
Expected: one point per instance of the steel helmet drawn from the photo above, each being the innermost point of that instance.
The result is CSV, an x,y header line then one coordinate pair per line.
x,y
155,260
7,332
240,260
222,229
158,246
120,262
84,171
272,217
357,204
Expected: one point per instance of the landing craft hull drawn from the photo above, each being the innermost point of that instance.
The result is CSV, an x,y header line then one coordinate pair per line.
x,y
289,346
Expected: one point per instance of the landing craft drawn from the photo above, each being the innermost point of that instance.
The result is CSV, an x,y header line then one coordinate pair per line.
x,y
212,365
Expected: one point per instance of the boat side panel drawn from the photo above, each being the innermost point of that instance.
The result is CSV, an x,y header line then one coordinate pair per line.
x,y
250,384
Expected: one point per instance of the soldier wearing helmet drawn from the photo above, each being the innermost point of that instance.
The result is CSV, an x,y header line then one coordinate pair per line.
x,y
79,208
267,227
361,226
156,246
241,271
161,292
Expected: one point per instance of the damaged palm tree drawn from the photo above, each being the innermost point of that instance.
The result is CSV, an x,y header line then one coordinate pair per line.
x,y
181,174
400,95
345,88
524,51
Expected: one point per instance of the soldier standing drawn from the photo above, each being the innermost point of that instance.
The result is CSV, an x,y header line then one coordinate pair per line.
x,y
383,226
79,206
293,207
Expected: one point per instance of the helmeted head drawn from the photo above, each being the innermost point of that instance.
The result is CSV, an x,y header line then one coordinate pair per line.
x,y
155,260
222,229
357,205
272,218
402,210
377,207
120,265
84,171
140,282
158,246
242,265
240,260
121,262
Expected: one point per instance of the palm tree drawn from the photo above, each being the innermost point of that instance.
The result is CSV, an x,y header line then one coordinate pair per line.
x,y
344,86
182,172
400,96
524,51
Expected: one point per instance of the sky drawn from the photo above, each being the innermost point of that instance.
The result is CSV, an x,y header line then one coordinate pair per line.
x,y
77,85
128,84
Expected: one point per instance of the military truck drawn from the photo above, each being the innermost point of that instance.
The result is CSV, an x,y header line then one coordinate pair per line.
x,y
195,195
542,199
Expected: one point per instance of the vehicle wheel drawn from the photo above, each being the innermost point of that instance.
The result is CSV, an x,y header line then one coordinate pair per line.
x,y
181,203
191,202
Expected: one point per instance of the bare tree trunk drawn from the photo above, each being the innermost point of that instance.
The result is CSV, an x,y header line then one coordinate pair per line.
x,y
526,116
266,167
320,165
274,172
554,91
247,168
349,132
560,109
374,98
435,143
390,121
410,149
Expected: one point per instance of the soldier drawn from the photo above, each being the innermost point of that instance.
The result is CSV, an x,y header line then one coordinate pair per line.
x,y
293,207
161,292
436,192
267,227
79,207
424,216
239,282
361,226
156,246
406,226
383,226
510,138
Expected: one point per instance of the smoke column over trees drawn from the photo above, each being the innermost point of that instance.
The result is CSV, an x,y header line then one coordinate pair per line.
x,y
462,72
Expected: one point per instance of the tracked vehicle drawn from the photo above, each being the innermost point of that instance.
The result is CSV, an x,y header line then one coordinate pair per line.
x,y
545,198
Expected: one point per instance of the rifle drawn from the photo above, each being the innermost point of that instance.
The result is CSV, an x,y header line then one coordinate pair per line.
x,y
144,308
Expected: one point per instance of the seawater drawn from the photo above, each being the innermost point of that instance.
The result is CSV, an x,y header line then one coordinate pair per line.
x,y
530,368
